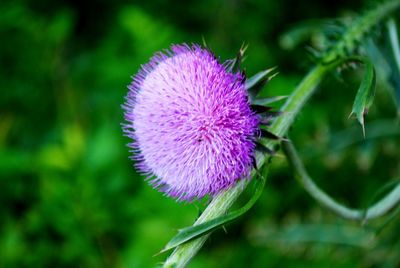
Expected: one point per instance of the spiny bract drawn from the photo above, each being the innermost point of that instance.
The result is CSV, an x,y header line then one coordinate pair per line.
x,y
191,123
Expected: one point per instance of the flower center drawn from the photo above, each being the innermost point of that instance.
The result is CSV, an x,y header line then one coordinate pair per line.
x,y
207,128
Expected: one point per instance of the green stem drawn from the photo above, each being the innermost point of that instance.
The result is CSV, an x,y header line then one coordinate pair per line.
x,y
297,100
394,41
218,207
222,202
360,27
378,209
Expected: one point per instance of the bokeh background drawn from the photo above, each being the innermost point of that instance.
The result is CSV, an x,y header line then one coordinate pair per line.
x,y
69,196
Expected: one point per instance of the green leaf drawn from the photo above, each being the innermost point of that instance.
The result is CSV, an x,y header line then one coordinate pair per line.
x,y
234,64
264,149
260,108
255,83
186,234
365,94
269,135
266,101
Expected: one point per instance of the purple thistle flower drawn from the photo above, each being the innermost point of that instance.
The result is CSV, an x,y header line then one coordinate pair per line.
x,y
191,123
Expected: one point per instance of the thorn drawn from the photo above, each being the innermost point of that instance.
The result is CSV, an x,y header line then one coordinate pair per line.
x,y
269,100
272,114
282,156
243,48
260,108
159,253
270,135
204,41
350,115
363,126
273,75
260,78
254,163
264,149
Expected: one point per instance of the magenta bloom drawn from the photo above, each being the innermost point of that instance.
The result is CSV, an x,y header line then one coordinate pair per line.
x,y
190,120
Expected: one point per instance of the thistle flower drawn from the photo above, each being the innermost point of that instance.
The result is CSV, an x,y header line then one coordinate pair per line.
x,y
191,122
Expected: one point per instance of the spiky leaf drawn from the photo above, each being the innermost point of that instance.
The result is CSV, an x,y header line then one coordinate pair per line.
x,y
260,109
365,94
266,101
186,234
264,149
269,135
255,83
234,64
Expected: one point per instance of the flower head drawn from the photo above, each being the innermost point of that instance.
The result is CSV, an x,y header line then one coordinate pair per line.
x,y
191,123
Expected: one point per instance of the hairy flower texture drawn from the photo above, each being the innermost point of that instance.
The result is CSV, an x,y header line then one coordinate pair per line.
x,y
191,123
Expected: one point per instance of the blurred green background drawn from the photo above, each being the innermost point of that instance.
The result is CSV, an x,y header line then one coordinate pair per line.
x,y
69,196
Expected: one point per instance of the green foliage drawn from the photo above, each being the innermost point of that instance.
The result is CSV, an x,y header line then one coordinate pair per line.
x,y
365,94
362,26
69,196
192,232
255,83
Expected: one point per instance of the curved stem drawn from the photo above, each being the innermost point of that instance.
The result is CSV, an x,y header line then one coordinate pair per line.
x,y
378,209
